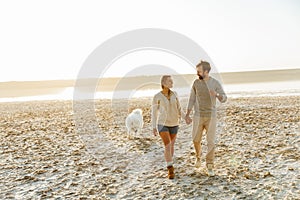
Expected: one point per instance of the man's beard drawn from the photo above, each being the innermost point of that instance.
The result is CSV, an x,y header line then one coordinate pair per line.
x,y
201,77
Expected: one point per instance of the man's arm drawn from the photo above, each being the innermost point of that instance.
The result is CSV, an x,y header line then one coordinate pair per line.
x,y
220,94
191,104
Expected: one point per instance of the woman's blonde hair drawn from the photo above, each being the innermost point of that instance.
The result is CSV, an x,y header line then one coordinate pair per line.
x,y
163,80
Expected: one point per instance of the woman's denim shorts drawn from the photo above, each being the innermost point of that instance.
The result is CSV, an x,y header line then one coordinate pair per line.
x,y
170,129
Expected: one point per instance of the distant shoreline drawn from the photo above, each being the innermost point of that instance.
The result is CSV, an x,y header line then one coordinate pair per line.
x,y
33,88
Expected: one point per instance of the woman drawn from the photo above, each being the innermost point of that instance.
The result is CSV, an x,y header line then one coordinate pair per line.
x,y
166,113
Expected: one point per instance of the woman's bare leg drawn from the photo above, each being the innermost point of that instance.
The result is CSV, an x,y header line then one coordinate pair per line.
x,y
165,136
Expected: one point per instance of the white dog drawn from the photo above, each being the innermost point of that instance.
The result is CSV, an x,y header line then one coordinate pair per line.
x,y
134,122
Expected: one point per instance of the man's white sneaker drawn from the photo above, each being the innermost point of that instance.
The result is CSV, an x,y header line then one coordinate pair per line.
x,y
210,170
197,163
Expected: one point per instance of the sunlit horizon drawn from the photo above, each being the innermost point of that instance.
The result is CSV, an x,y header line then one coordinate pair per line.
x,y
115,76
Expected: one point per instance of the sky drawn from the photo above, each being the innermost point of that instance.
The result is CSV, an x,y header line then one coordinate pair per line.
x,y
49,40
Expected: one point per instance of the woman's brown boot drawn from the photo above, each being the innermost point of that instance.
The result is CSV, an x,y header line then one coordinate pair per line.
x,y
171,174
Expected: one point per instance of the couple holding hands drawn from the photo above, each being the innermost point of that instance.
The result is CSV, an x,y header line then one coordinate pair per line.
x,y
166,114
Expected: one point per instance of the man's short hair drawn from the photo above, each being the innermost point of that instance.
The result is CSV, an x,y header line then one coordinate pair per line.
x,y
205,66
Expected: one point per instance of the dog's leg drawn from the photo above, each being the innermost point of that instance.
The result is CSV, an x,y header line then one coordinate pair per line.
x,y
129,135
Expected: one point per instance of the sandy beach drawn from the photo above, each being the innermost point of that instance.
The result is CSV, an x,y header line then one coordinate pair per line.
x,y
46,154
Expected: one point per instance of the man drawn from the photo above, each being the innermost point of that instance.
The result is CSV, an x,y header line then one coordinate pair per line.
x,y
204,93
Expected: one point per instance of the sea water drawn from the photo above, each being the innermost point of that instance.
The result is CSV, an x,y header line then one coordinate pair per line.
x,y
284,88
